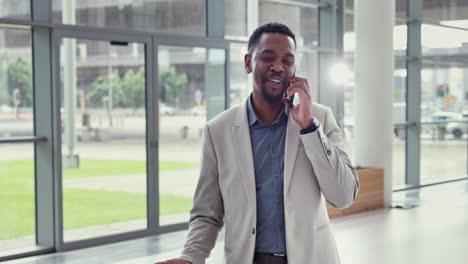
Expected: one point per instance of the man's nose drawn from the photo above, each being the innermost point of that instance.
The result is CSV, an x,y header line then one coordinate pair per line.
x,y
277,68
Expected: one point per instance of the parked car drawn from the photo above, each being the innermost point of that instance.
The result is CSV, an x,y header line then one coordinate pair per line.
x,y
166,110
465,115
6,109
457,128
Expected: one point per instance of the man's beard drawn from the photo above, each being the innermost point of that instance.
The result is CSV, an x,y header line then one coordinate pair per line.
x,y
269,98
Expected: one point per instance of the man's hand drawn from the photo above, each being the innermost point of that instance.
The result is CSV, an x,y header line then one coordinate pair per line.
x,y
174,261
303,112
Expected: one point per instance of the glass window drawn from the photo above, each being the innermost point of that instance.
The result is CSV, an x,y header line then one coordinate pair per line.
x,y
349,37
446,42
399,117
191,92
104,138
401,8
442,11
349,4
307,67
443,89
16,93
17,202
439,146
235,17
444,99
302,20
240,81
175,16
17,9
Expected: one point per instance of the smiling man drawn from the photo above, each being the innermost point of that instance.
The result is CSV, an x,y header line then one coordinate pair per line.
x,y
268,167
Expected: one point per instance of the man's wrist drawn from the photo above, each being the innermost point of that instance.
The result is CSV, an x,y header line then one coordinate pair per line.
x,y
312,127
306,124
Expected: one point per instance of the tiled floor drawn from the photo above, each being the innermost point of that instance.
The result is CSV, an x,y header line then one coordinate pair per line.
x,y
433,230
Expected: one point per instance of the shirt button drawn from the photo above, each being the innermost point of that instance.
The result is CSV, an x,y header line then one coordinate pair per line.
x,y
329,152
253,231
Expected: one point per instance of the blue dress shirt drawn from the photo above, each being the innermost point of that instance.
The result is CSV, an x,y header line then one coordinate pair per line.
x,y
268,141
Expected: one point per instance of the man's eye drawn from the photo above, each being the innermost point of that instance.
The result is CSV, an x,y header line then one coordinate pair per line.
x,y
289,62
268,58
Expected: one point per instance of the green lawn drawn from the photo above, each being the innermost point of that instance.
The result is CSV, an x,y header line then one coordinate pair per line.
x,y
96,167
81,207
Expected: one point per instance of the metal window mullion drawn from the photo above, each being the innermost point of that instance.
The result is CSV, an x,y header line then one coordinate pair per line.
x,y
43,126
57,141
308,4
227,80
152,128
215,18
19,140
413,87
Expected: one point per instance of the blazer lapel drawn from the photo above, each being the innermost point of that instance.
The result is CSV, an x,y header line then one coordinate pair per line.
x,y
243,146
290,152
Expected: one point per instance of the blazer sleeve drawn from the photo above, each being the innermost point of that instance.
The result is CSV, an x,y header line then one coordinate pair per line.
x,y
207,214
336,176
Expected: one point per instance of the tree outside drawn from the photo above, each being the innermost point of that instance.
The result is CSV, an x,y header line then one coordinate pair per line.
x,y
172,84
20,77
129,91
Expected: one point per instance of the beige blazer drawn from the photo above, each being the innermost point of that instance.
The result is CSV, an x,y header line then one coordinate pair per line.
x,y
315,168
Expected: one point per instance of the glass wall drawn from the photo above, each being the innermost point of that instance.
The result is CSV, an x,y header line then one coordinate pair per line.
x,y
104,138
17,9
240,81
444,113
17,210
191,92
175,16
452,12
17,203
303,21
444,91
235,18
16,93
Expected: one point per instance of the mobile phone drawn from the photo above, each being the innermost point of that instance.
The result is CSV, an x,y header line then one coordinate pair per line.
x,y
289,98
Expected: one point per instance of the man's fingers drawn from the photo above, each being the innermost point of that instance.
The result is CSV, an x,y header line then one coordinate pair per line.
x,y
303,84
302,93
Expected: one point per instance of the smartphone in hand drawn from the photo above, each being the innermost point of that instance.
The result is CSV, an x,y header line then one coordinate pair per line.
x,y
293,100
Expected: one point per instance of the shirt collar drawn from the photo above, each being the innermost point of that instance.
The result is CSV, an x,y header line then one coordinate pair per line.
x,y
253,116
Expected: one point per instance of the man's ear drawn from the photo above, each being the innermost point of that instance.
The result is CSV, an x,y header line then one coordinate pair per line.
x,y
248,63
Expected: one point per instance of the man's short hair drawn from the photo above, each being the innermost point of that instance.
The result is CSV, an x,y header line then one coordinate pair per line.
x,y
273,27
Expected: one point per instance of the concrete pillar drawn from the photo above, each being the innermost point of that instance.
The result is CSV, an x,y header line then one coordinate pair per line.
x,y
374,64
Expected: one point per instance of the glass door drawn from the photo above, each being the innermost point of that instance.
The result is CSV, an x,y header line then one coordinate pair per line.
x,y
103,128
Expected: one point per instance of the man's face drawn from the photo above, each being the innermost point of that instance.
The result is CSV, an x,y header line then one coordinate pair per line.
x,y
272,65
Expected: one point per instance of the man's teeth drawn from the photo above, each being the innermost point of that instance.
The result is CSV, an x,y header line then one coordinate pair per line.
x,y
276,81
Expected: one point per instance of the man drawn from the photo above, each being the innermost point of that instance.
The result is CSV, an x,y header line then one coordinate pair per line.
x,y
267,168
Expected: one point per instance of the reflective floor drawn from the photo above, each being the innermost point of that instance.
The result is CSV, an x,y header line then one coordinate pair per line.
x,y
429,226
